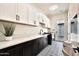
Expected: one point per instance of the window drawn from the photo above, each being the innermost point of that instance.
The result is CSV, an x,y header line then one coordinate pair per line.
x,y
61,29
74,27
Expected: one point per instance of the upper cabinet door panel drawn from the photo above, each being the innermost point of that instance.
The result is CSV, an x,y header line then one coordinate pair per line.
x,y
31,15
22,11
8,11
49,26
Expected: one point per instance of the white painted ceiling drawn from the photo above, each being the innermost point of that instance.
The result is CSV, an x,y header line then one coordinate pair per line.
x,y
44,7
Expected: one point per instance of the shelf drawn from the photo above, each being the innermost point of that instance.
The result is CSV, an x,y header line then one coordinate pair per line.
x,y
42,23
18,22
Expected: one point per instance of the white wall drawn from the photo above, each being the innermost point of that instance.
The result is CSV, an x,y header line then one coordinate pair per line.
x,y
73,9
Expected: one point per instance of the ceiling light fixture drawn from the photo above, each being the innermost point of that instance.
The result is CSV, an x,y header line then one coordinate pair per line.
x,y
54,7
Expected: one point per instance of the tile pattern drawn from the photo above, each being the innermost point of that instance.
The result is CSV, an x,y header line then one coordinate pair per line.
x,y
53,50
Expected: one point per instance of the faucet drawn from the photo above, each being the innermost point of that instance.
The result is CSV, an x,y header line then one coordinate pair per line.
x,y
41,31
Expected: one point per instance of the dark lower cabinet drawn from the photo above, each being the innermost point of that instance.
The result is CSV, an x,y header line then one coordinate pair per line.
x,y
14,52
11,51
41,44
27,49
30,48
45,43
35,47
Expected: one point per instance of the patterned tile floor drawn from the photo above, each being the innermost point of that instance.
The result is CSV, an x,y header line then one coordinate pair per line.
x,y
53,50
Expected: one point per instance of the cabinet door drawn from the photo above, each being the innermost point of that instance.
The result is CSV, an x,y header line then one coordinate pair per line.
x,y
47,21
14,52
44,42
27,49
31,15
22,10
8,11
49,26
10,51
35,47
40,44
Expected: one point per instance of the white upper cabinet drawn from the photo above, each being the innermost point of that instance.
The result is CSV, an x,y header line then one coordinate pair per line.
x,y
44,20
22,12
47,22
8,11
33,15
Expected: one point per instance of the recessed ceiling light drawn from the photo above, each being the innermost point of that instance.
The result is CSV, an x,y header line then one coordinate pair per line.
x,y
54,7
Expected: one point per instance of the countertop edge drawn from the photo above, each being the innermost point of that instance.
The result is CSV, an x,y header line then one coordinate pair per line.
x,y
6,44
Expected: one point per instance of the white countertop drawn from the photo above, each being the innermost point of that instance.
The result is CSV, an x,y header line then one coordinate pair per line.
x,y
5,44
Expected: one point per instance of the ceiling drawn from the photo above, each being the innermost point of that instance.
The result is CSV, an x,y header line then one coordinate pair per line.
x,y
47,7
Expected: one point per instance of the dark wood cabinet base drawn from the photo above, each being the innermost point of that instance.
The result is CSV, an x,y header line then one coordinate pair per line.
x,y
30,48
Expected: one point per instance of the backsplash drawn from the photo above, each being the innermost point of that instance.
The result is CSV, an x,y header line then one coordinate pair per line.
x,y
25,31
22,31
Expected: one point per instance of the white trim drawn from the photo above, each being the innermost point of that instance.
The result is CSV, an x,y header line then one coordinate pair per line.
x,y
60,21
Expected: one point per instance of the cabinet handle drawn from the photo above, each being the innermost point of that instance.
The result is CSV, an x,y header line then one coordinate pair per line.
x,y
34,22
